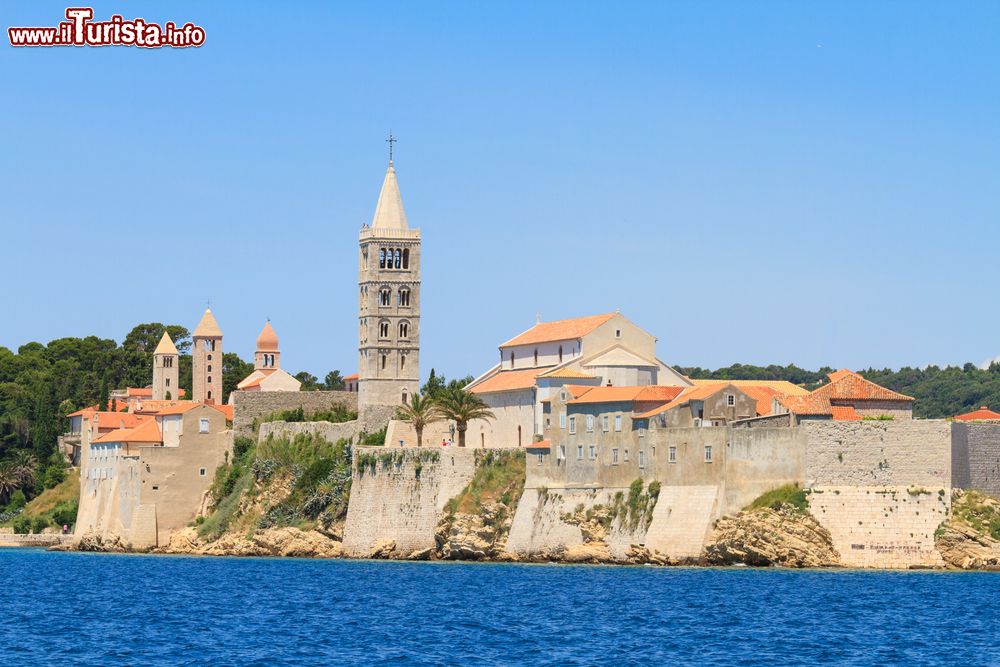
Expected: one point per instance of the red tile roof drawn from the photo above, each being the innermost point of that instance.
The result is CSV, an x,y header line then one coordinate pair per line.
x,y
353,376
225,409
609,395
811,405
764,396
147,392
147,431
546,332
508,381
982,414
852,387
115,420
697,393
844,413
541,444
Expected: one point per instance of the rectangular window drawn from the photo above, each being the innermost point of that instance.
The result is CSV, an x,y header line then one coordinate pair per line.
x,y
202,426
642,459
731,400
708,453
562,419
572,424
590,423
202,472
579,452
562,451
593,452
672,455
605,423
618,422
642,430
626,454
614,456
548,422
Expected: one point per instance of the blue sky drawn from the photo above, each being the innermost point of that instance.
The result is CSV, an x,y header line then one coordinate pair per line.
x,y
751,182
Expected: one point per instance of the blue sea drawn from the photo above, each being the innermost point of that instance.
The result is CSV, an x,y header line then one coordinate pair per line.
x,y
101,609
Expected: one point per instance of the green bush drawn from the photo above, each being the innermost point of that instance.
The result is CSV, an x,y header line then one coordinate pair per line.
x,y
22,525
788,495
17,501
40,523
376,439
64,514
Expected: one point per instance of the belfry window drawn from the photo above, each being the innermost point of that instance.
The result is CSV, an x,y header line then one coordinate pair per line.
x,y
383,361
404,329
385,297
406,258
399,258
404,296
381,258
383,329
402,363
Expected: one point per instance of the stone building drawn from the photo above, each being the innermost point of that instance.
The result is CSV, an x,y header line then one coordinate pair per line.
x,y
267,373
388,303
591,351
166,366
206,360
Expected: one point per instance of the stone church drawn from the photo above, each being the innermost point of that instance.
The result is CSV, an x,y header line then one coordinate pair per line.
x,y
388,303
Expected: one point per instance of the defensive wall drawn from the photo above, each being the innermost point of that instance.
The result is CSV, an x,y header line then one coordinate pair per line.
x,y
975,457
398,494
250,407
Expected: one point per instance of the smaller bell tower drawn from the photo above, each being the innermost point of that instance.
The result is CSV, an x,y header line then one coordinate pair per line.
x,y
165,370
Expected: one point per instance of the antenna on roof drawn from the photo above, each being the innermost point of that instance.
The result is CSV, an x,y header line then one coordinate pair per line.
x,y
538,318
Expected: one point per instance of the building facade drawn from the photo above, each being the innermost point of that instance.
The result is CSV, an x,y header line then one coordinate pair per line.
x,y
388,303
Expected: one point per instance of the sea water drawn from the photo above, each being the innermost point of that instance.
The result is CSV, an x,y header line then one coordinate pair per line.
x,y
103,609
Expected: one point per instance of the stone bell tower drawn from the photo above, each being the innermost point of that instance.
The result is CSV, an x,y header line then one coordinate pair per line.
x,y
389,303
206,360
165,370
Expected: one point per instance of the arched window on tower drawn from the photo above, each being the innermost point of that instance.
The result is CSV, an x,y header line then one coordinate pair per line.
x,y
399,258
406,258
404,329
402,361
383,362
381,258
404,296
385,297
404,397
383,329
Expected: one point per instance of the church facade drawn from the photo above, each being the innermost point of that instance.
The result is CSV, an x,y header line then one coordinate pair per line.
x,y
388,303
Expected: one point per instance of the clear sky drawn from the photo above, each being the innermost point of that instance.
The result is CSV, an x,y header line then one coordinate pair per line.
x,y
756,182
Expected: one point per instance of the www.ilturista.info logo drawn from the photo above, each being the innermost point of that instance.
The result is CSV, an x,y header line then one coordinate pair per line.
x,y
80,30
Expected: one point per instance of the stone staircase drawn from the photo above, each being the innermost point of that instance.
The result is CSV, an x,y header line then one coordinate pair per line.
x,y
682,520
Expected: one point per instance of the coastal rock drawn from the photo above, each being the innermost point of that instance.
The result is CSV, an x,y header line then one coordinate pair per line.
x,y
474,536
963,547
785,537
108,543
383,549
285,542
589,552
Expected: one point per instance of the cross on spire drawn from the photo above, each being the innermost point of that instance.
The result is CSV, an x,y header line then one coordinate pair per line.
x,y
391,140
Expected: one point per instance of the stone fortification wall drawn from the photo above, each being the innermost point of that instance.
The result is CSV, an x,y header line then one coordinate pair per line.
x,y
394,506
251,406
975,457
878,453
326,430
881,488
758,460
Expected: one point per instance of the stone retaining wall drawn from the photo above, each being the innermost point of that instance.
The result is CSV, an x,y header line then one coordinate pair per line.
x,y
251,406
975,457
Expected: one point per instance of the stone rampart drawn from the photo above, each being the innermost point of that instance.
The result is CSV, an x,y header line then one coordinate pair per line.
x,y
975,457
326,430
249,407
397,494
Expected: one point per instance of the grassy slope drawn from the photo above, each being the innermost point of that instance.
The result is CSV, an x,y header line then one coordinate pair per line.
x,y
499,477
66,491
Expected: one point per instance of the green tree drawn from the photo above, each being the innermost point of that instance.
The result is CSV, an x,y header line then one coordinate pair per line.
x,y
419,412
309,381
462,407
333,381
9,481
234,370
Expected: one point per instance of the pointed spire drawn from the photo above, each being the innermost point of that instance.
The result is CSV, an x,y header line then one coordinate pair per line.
x,y
267,341
207,327
389,212
165,346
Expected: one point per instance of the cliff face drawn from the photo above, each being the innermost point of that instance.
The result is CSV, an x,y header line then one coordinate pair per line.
x,y
968,539
286,542
787,537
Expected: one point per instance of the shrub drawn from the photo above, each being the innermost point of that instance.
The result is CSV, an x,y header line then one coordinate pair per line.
x,y
17,501
376,439
22,525
64,514
788,495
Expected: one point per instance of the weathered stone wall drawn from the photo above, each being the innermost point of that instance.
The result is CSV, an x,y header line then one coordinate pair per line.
x,y
326,430
878,453
392,504
251,406
975,457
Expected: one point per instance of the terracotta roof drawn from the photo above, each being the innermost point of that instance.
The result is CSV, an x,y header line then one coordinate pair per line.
x,y
577,390
507,381
658,393
836,375
178,409
244,384
139,392
353,376
764,397
982,414
225,409
545,332
697,393
144,407
541,444
844,413
207,327
146,431
608,395
851,386
116,420
267,341
810,404
567,373
781,386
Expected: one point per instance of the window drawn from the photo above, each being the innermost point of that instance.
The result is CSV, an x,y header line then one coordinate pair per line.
x,y
548,422
642,459
618,333
540,456
202,426
562,452
406,258
618,422
641,427
708,453
385,297
399,258
605,423
731,400
536,356
572,425
383,329
404,329
202,472
383,361
579,452
402,363
626,453
404,296
404,397
562,419
168,382
210,368
156,488
209,395
512,359
593,452
614,456
381,258
672,455
210,379
560,354
590,423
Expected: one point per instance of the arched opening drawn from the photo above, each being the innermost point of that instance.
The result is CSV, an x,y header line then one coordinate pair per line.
x,y
383,362
512,359
381,258
406,258
536,356
560,354
404,329
399,258
404,396
518,436
402,361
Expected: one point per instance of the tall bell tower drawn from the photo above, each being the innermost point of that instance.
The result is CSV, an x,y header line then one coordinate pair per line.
x,y
206,360
389,302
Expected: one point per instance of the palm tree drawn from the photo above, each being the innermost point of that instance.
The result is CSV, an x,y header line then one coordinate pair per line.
x,y
25,466
420,411
8,481
462,406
